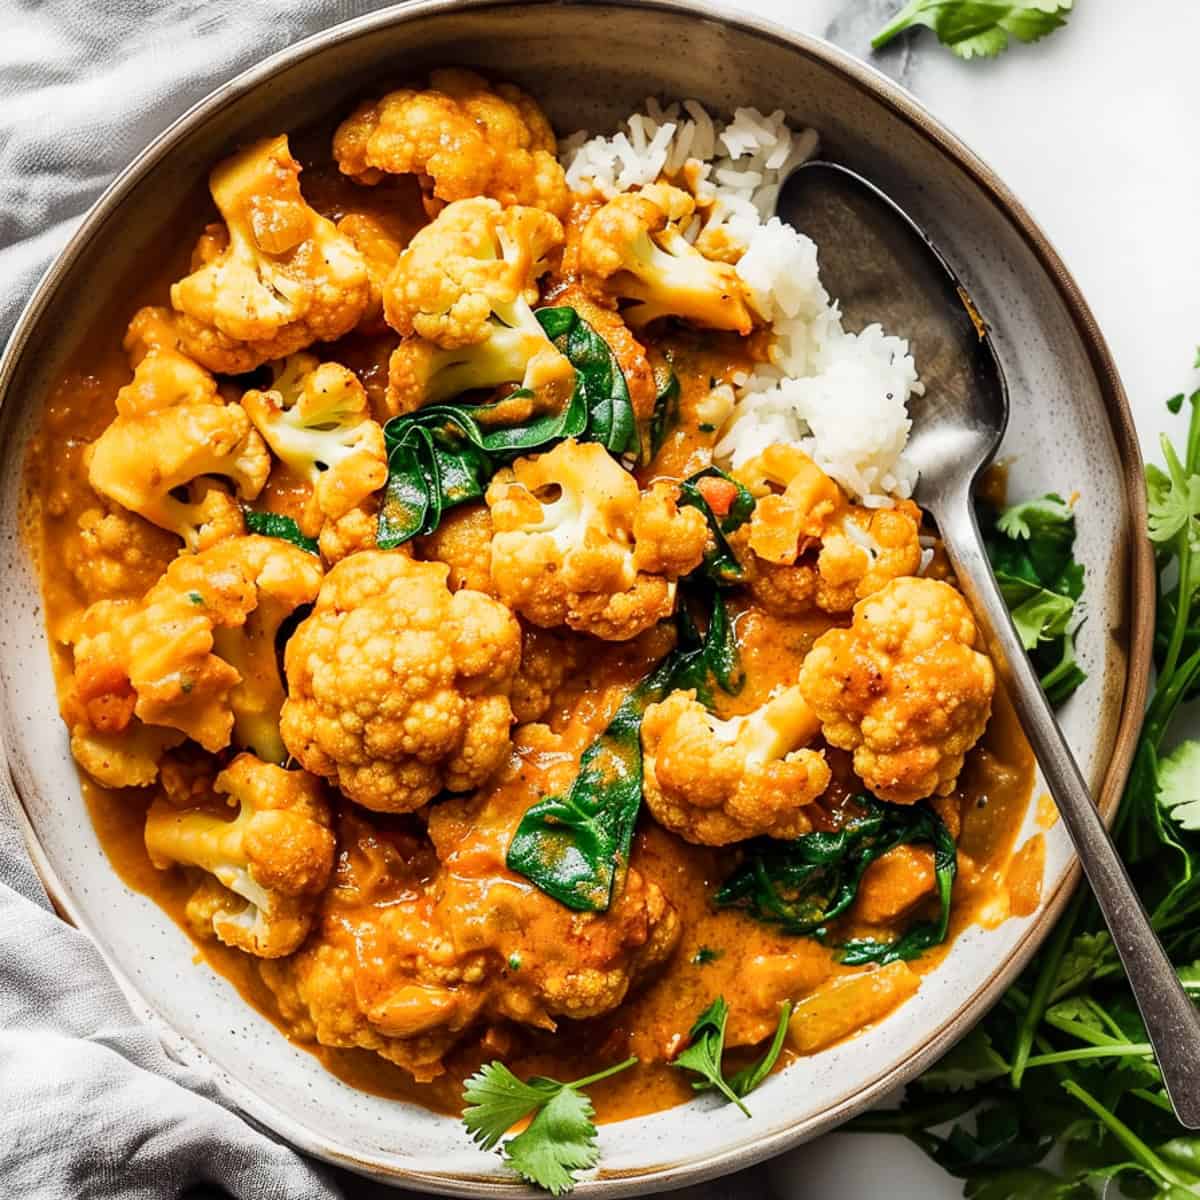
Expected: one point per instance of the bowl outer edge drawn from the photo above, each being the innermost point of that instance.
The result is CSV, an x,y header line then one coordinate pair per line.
x,y
1140,616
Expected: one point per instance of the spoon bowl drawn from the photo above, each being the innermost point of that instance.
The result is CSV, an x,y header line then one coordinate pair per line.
x,y
879,262
884,269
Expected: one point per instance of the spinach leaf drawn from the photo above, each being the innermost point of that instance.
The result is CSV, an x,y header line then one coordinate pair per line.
x,y
276,525
442,456
717,660
720,564
1031,548
925,934
573,847
598,378
803,884
666,405
445,454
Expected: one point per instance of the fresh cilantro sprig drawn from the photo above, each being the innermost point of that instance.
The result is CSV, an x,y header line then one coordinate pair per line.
x,y
978,28
1031,548
558,1141
1179,785
1063,1063
706,1048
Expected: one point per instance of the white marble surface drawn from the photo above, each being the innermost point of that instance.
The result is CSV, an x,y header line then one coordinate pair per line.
x,y
1094,129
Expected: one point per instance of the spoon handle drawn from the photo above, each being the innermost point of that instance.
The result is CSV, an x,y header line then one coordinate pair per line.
x,y
1172,1020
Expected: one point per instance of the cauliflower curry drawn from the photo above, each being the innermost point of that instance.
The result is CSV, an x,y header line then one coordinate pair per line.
x,y
421,659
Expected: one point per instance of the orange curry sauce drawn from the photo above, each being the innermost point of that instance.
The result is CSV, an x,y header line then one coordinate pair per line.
x,y
751,964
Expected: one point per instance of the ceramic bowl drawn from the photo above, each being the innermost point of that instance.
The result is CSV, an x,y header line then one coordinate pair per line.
x,y
590,64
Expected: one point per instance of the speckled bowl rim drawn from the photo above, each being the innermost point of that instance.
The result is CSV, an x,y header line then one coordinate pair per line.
x,y
702,1165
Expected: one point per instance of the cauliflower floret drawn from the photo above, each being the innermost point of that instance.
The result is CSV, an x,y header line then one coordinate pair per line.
x,y
197,652
463,541
714,782
317,993
172,433
903,688
807,547
353,531
399,689
633,249
380,248
547,659
285,278
269,864
462,138
130,758
564,548
115,554
408,959
461,294
316,418
668,540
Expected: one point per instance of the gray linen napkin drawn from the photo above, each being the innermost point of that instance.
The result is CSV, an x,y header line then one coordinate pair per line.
x,y
91,1102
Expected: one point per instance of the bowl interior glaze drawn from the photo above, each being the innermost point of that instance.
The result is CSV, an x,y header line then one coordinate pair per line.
x,y
590,64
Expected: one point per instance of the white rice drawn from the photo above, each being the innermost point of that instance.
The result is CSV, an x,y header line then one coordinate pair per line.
x,y
841,397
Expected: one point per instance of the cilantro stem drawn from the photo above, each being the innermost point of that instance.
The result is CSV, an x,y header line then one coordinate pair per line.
x,y
1191,456
588,1080
1183,550
1125,1135
896,25
1155,1098
1101,1050
1047,977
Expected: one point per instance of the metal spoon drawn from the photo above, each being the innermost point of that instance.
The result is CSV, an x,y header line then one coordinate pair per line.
x,y
883,268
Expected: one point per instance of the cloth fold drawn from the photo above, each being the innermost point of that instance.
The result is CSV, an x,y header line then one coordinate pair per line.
x,y
94,1105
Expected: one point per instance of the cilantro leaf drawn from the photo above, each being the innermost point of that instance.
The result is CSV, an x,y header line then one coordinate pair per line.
x,y
561,1138
1183,1154
1026,1183
1002,1139
1179,785
978,28
705,1048
969,1063
498,1100
1082,957
1173,496
743,1082
1031,547
1189,976
1063,677
1043,617
1047,514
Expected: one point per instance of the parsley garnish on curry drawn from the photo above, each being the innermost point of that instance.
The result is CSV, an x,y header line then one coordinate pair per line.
x,y
490,616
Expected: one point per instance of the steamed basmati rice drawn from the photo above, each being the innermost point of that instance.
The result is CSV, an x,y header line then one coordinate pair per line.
x,y
839,396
